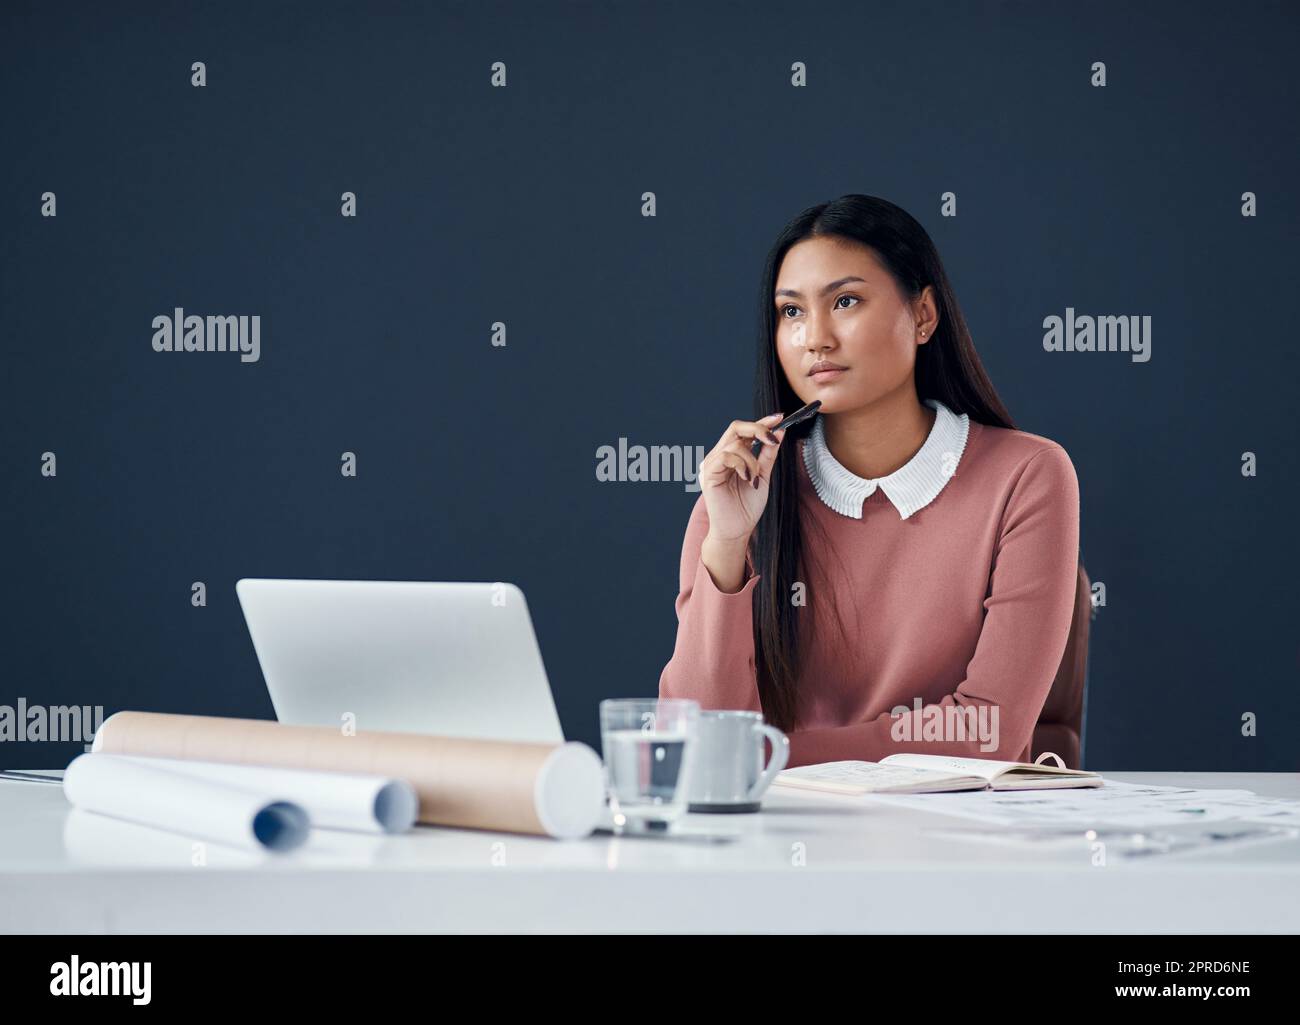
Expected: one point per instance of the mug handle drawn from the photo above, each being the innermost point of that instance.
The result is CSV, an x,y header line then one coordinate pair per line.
x,y
780,755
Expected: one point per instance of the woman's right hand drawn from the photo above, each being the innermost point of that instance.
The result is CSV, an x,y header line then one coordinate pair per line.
x,y
735,481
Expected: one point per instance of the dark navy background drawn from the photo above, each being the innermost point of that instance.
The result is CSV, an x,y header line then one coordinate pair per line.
x,y
523,205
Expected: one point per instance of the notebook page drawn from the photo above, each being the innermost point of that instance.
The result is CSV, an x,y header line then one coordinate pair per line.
x,y
866,777
981,767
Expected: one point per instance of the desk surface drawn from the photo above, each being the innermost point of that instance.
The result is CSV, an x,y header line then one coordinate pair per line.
x,y
808,863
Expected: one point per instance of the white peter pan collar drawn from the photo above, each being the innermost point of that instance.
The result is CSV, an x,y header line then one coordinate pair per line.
x,y
911,487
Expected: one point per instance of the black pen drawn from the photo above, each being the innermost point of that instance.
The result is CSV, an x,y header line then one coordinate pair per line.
x,y
797,417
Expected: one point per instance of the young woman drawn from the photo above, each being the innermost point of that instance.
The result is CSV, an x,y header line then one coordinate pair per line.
x,y
899,572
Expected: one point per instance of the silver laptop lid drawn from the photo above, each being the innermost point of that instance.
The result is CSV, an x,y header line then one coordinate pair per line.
x,y
450,659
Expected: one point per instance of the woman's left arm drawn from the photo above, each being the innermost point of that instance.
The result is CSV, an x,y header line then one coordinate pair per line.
x,y
1026,624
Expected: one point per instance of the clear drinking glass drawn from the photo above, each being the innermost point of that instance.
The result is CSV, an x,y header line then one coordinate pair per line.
x,y
649,748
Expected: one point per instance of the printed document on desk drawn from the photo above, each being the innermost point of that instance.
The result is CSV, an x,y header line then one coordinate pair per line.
x,y
1114,803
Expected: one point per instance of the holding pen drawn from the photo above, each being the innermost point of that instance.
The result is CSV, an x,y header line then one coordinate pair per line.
x,y
734,478
797,417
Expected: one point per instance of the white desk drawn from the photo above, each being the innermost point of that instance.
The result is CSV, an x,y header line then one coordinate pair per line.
x,y
868,869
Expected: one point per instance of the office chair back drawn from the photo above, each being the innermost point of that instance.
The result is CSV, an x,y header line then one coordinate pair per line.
x,y
1060,724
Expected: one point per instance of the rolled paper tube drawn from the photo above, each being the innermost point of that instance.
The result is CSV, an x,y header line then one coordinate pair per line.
x,y
553,790
334,800
151,796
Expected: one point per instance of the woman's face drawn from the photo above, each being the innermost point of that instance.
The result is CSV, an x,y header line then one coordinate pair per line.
x,y
836,302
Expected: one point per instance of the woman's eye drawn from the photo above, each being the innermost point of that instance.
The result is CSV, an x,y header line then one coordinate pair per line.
x,y
791,306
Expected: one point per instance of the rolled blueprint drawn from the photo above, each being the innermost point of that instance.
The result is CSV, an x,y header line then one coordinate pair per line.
x,y
333,800
178,803
553,790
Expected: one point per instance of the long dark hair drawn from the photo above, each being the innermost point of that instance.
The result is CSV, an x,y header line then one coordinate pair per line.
x,y
947,369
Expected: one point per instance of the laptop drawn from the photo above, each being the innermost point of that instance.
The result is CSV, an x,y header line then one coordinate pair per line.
x,y
449,659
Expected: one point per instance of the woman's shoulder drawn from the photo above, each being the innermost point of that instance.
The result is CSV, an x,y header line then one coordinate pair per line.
x,y
1011,453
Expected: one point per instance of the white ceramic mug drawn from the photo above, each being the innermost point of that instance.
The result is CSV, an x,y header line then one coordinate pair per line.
x,y
728,774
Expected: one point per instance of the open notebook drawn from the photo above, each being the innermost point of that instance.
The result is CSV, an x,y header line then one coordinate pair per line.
x,y
927,774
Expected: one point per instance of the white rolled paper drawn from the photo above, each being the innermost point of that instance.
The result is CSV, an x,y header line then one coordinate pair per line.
x,y
151,796
333,800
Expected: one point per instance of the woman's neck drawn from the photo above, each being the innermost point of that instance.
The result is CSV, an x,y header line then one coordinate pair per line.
x,y
875,440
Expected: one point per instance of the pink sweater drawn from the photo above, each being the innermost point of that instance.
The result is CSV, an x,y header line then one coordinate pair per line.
x,y
965,603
